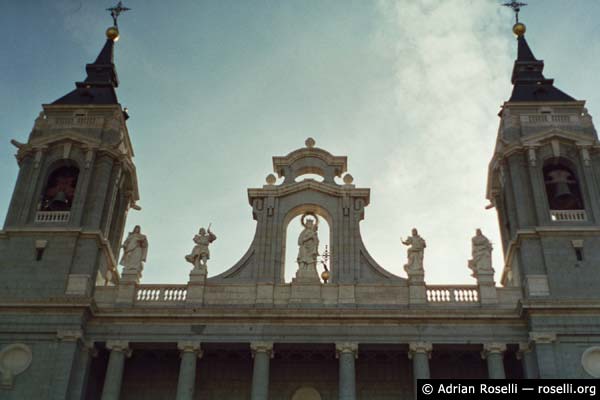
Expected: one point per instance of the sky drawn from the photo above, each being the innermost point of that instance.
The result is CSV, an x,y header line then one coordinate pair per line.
x,y
408,90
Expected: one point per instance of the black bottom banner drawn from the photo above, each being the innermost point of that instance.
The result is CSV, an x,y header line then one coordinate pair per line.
x,y
510,389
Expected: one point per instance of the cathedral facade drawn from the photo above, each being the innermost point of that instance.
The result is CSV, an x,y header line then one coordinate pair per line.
x,y
73,327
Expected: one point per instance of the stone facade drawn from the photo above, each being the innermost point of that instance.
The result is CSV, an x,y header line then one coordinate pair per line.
x,y
71,329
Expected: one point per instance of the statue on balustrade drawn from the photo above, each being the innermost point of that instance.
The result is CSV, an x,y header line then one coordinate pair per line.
x,y
415,253
135,249
481,251
200,253
308,242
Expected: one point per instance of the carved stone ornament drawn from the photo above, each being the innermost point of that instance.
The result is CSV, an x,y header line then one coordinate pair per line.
x,y
14,360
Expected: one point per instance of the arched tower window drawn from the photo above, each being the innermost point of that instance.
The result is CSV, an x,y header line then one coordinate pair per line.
x,y
562,186
60,189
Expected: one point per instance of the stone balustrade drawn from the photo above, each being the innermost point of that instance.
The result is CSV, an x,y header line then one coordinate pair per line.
x,y
52,216
452,294
83,121
285,295
161,293
550,119
568,215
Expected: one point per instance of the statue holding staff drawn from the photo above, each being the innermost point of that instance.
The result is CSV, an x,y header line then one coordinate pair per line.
x,y
200,253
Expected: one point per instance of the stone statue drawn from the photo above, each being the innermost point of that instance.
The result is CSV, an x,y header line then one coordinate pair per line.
x,y
481,252
200,253
308,242
135,249
415,253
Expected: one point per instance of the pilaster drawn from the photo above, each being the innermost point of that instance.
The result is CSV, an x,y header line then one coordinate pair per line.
x,y
544,350
527,357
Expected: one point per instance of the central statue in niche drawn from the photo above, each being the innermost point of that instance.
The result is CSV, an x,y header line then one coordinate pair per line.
x,y
308,243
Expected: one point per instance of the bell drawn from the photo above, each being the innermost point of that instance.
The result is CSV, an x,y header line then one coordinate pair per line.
x,y
562,189
59,202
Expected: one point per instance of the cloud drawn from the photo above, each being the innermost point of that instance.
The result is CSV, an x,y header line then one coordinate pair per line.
x,y
452,68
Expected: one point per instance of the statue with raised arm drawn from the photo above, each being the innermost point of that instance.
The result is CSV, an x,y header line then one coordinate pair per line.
x,y
308,249
135,249
200,253
415,253
481,251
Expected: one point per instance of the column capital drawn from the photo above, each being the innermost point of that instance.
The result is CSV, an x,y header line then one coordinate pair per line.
x,y
346,347
524,347
69,335
492,348
419,347
262,347
542,337
120,346
188,346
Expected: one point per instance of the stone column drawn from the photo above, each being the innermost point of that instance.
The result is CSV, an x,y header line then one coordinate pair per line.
x,y
347,353
190,352
527,357
420,353
544,350
114,373
262,352
494,353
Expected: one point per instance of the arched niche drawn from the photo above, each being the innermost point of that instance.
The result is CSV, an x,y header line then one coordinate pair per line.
x,y
306,393
58,192
562,184
290,247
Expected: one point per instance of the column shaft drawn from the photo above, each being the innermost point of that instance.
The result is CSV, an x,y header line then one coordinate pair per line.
x,y
421,365
114,375
347,376
187,376
260,376
495,363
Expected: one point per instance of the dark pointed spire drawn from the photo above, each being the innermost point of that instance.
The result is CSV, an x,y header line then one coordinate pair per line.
x,y
101,81
527,76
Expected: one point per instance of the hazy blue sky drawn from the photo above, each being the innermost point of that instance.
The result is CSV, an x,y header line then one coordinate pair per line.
x,y
408,90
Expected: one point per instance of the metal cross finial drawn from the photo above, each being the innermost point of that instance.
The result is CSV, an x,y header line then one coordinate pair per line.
x,y
116,11
516,6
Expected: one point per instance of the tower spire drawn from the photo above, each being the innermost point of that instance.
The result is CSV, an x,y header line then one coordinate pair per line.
x,y
101,81
529,83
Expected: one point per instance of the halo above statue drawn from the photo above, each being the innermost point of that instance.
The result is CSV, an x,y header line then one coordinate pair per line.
x,y
309,214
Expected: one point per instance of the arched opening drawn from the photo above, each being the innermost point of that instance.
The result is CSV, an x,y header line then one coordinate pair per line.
x,y
309,177
562,185
59,191
307,241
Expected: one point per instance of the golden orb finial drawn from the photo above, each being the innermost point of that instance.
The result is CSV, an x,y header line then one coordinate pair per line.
x,y
112,33
325,276
519,29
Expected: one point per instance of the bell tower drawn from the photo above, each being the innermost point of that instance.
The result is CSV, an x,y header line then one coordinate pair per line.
x,y
544,183
75,185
